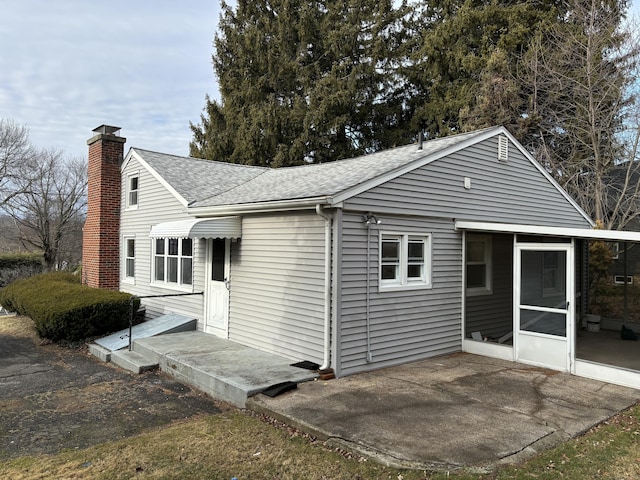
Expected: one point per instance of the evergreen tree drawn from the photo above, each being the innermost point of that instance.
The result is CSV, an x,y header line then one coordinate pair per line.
x,y
302,81
469,52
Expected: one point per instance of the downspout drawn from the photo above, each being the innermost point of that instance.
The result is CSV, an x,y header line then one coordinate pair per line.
x,y
327,287
368,297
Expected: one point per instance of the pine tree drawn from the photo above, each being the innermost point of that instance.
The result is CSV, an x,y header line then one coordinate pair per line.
x,y
468,52
303,81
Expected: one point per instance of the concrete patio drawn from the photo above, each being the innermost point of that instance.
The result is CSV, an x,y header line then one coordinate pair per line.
x,y
449,412
444,413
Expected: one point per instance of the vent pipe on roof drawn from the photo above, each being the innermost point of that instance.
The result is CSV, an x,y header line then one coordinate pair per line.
x,y
420,140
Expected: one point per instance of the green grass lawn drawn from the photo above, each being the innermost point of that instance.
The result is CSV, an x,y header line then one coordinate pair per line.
x,y
244,446
249,446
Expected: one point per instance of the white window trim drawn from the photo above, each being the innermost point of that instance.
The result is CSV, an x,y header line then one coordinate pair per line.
x,y
615,250
619,279
177,286
488,261
125,278
403,283
127,199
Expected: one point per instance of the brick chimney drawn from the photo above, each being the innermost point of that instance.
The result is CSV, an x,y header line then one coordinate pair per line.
x,y
101,234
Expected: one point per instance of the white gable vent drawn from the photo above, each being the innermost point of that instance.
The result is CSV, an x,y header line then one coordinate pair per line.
x,y
503,148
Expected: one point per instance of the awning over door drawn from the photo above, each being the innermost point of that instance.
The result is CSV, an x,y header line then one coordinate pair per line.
x,y
224,227
586,233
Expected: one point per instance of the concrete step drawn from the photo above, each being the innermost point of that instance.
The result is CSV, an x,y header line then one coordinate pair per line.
x,y
221,368
102,353
133,361
212,385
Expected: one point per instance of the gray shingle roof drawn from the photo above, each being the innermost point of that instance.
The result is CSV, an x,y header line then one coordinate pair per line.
x,y
206,183
197,179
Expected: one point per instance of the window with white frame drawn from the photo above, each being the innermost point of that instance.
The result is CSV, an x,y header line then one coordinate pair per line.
x,y
478,264
405,261
129,258
615,251
619,279
132,190
173,261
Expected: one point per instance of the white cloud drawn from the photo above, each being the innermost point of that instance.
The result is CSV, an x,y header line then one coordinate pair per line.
x,y
70,66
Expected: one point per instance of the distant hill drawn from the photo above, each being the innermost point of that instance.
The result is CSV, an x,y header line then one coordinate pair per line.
x,y
9,236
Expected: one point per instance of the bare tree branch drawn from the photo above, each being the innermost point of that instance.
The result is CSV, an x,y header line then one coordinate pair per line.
x,y
51,205
581,74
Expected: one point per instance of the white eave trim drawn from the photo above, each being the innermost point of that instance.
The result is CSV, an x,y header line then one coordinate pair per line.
x,y
133,154
585,233
225,227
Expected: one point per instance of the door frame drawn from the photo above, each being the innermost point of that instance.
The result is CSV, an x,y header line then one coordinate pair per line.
x,y
561,348
208,303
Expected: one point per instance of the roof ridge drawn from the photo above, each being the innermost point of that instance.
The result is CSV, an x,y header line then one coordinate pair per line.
x,y
186,157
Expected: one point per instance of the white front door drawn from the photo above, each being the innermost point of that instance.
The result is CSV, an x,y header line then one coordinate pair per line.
x,y
217,291
543,305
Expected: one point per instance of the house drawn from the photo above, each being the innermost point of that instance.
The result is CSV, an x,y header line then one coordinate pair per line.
x,y
462,243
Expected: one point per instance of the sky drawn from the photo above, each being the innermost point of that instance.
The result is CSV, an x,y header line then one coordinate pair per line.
x,y
69,66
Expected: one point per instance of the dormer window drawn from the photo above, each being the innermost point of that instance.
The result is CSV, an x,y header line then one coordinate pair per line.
x,y
132,191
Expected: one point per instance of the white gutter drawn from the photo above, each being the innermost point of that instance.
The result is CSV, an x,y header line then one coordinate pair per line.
x,y
587,233
327,287
260,207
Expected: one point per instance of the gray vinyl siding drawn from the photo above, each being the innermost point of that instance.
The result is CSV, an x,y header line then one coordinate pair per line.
x,y
404,325
277,284
492,314
507,192
156,205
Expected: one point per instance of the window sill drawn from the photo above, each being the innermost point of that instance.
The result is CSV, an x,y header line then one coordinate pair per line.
x,y
131,208
173,286
478,292
129,280
398,288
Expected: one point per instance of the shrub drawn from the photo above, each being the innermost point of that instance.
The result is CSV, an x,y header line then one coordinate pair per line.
x,y
14,266
63,309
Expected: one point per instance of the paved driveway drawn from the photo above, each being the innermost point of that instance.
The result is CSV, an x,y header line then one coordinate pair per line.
x,y
449,412
53,398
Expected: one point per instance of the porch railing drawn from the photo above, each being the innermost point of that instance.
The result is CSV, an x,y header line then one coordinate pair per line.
x,y
132,313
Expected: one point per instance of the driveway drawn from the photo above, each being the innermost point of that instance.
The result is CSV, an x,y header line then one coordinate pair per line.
x,y
53,398
449,412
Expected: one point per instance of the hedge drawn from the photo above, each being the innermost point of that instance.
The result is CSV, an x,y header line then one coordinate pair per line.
x,y
16,260
63,309
14,266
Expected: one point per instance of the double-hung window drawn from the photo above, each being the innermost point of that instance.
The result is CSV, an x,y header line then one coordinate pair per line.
x,y
478,264
129,248
132,191
405,261
173,261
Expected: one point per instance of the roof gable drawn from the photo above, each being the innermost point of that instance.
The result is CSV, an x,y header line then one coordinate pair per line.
x,y
191,179
206,186
342,177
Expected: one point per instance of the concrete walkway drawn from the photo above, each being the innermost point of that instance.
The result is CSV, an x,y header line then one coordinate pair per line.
x,y
449,412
